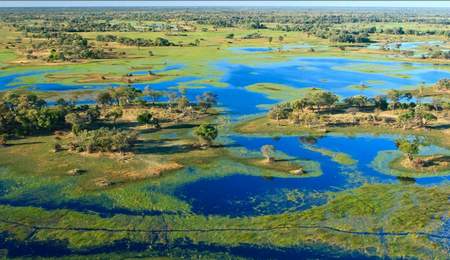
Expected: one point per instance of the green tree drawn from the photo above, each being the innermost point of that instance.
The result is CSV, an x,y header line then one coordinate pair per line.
x,y
77,121
103,140
206,134
125,95
147,118
279,112
114,114
229,36
407,117
104,99
423,116
300,104
359,101
322,99
394,96
409,147
380,102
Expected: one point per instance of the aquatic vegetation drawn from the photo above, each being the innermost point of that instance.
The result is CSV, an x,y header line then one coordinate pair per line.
x,y
356,218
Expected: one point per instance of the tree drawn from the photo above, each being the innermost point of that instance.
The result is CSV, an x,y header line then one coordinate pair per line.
x,y
420,116
409,147
406,118
229,36
443,84
394,96
8,123
103,140
322,99
423,116
147,118
173,97
93,114
124,95
77,121
380,102
300,104
206,134
182,103
114,114
104,99
153,94
268,152
359,101
207,100
280,111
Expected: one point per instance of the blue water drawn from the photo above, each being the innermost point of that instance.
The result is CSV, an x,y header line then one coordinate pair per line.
x,y
243,195
249,49
301,73
332,74
165,69
405,45
237,101
325,73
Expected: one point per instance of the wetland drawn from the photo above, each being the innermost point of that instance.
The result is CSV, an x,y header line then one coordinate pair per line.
x,y
197,138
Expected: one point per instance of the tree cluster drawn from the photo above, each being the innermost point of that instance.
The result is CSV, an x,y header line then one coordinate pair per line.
x,y
103,140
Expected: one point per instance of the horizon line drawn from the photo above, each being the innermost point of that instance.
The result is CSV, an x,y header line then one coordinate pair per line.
x,y
200,3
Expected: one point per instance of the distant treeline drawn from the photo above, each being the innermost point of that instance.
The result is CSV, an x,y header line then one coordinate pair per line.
x,y
135,42
38,20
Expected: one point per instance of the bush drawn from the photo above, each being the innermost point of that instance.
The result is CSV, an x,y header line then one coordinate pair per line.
x,y
146,118
206,133
103,140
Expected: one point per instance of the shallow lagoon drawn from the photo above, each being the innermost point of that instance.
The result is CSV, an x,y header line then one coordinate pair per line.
x,y
243,195
406,45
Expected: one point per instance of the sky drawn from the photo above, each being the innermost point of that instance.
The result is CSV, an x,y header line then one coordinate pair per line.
x,y
225,3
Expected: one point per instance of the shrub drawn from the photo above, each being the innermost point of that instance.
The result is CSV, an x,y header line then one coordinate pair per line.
x,y
146,118
206,133
103,140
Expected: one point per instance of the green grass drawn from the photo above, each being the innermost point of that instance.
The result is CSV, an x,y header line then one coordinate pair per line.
x,y
339,157
279,92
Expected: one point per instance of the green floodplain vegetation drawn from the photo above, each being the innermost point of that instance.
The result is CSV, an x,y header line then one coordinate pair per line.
x,y
62,193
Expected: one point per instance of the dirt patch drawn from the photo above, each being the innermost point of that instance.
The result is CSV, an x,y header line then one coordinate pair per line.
x,y
153,171
426,164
